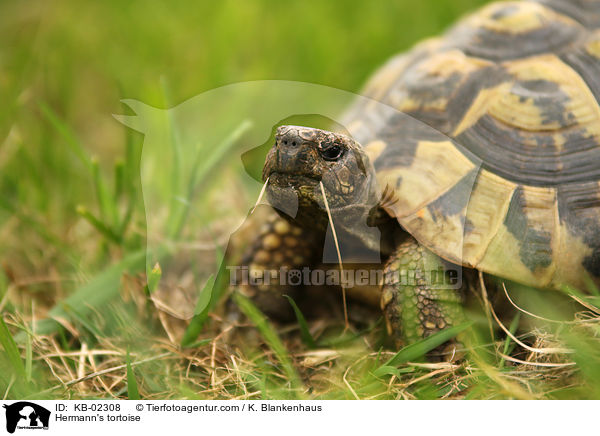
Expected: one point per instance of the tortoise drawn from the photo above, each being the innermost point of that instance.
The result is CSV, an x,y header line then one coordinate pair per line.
x,y
486,155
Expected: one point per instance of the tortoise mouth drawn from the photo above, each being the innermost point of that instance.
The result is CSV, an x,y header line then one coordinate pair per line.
x,y
289,179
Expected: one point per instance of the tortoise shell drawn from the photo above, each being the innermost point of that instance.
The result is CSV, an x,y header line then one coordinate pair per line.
x,y
502,170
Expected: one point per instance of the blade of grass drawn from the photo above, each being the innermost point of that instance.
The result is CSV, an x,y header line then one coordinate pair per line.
x,y
569,290
345,337
581,297
195,327
100,290
419,349
119,183
391,370
307,338
68,135
153,278
31,167
129,177
98,225
202,167
126,218
207,300
106,202
272,339
36,224
507,342
76,316
132,387
3,289
11,350
176,173
28,359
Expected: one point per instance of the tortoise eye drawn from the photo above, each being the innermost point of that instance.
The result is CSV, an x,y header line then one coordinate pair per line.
x,y
332,153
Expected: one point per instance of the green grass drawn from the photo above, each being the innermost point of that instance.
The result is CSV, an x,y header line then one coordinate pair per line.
x,y
132,386
79,317
11,350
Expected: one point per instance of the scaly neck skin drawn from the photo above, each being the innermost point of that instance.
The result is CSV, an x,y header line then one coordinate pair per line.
x,y
363,228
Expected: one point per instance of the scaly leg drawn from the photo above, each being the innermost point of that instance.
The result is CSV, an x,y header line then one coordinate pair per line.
x,y
418,296
281,248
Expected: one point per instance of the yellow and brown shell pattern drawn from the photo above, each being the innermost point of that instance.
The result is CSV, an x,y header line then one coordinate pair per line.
x,y
511,185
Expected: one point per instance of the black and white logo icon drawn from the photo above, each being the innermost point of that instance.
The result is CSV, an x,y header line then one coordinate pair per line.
x,y
27,416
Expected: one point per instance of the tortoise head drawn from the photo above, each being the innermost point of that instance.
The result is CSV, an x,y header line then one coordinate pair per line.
x,y
302,157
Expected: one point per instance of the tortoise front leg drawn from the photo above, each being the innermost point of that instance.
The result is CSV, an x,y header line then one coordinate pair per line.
x,y
280,248
418,297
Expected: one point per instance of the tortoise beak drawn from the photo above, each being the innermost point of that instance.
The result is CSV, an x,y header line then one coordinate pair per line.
x,y
294,153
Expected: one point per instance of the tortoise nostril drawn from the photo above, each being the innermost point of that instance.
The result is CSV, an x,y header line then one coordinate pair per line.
x,y
294,138
291,143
